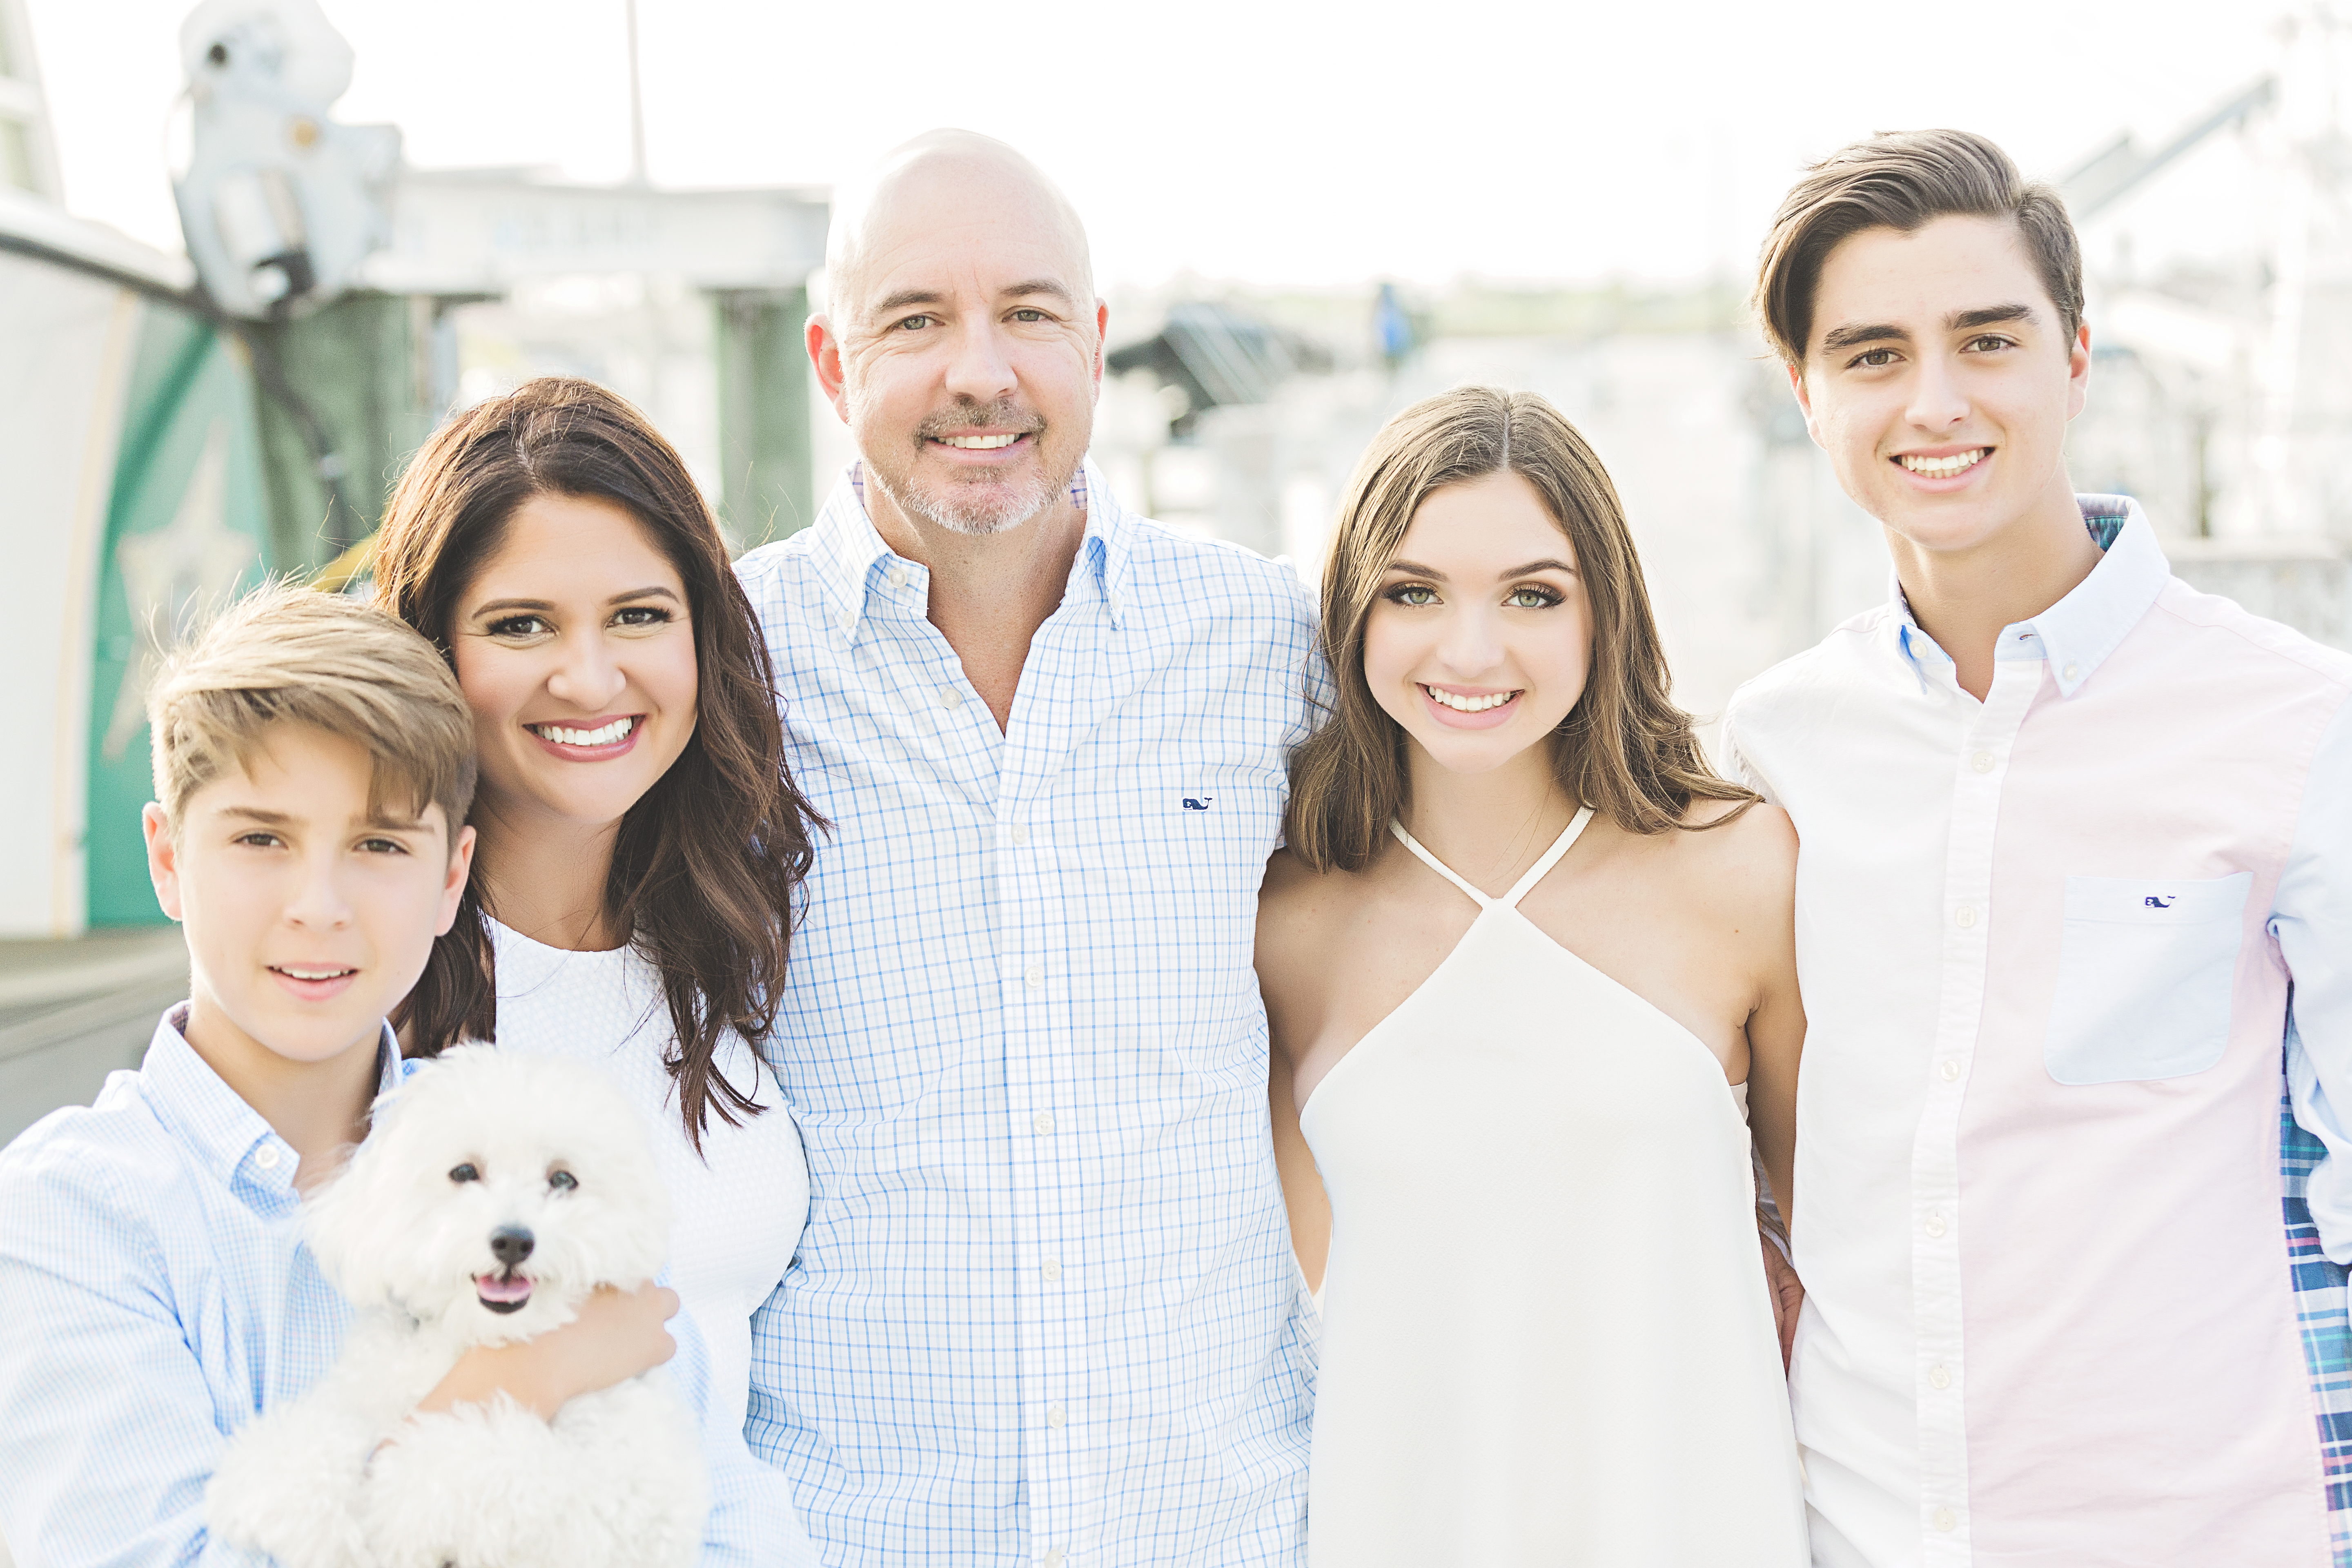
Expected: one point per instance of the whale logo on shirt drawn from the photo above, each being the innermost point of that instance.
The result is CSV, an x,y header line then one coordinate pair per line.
x,y
2162,902
1200,804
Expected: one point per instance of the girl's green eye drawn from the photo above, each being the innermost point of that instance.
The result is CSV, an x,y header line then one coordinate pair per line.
x,y
1533,599
1415,593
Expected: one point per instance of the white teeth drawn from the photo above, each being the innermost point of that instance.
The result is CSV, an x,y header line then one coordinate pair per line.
x,y
562,736
1943,467
311,974
1468,704
979,443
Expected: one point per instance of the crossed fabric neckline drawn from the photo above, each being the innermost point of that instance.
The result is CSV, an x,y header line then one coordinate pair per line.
x,y
1535,873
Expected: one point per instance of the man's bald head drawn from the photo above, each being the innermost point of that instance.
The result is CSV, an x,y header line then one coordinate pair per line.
x,y
940,180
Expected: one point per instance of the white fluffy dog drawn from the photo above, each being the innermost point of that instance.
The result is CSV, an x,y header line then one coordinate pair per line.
x,y
494,1193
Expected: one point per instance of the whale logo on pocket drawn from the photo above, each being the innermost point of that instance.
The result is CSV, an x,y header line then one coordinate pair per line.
x,y
2145,978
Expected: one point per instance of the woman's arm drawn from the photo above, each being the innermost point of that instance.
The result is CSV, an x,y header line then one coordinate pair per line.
x,y
618,1335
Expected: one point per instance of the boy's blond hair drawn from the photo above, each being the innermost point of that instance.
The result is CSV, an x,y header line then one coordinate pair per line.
x,y
289,654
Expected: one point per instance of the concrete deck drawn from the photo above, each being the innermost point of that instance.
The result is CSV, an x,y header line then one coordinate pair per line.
x,y
72,1012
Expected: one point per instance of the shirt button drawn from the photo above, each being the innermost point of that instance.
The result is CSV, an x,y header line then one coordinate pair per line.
x,y
1951,1071
1020,836
1945,1519
1114,603
849,622
266,1156
1965,916
1935,1226
1042,1122
1981,762
897,576
1053,1558
1034,975
1939,1378
2073,672
1054,1417
1052,1270
950,697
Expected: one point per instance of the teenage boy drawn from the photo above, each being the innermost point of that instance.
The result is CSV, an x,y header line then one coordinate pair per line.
x,y
314,760
2076,886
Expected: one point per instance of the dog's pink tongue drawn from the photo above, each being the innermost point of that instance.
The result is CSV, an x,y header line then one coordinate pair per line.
x,y
494,1289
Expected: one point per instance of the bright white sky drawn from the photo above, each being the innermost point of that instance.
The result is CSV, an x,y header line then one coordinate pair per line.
x,y
1267,141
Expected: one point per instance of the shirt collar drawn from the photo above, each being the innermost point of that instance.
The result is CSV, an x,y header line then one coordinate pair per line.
x,y
228,1135
2076,634
851,556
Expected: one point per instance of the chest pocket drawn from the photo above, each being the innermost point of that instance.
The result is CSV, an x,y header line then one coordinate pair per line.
x,y
2144,977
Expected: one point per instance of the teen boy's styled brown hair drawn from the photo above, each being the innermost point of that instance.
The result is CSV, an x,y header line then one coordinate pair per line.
x,y
1624,749
1904,180
286,655
708,864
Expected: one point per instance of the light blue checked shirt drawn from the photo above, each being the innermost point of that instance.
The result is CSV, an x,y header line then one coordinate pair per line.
x,y
1046,1311
155,1295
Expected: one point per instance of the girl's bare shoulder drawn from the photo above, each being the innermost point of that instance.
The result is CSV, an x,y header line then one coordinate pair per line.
x,y
1295,900
1739,857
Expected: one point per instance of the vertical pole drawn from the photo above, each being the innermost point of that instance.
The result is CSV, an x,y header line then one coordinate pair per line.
x,y
763,414
636,104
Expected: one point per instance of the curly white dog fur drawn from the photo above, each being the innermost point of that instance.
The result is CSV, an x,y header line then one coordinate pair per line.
x,y
495,1192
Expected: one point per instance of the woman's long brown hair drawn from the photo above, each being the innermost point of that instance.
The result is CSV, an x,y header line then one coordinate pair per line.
x,y
1625,750
706,866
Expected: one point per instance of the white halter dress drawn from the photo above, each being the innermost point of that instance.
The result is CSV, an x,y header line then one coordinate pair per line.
x,y
1547,1336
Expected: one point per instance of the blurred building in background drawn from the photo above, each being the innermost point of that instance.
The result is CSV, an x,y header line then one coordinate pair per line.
x,y
2220,396
173,428
177,428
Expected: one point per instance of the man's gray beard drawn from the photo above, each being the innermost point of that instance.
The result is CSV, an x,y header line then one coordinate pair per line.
x,y
972,518
975,519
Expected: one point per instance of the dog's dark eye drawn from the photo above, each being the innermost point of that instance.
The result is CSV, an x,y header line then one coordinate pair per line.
x,y
464,1174
561,1180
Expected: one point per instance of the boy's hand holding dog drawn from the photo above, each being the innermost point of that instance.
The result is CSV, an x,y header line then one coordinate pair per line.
x,y
617,1335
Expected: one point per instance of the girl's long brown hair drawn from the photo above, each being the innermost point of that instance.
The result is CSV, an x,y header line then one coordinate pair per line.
x,y
1625,750
706,866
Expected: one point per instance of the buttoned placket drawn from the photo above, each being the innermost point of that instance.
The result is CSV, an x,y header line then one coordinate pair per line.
x,y
1985,734
1050,1109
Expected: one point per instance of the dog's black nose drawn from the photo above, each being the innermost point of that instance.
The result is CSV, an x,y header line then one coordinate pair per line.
x,y
511,1244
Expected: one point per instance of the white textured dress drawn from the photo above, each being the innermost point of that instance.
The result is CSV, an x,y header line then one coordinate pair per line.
x,y
738,1207
1546,1338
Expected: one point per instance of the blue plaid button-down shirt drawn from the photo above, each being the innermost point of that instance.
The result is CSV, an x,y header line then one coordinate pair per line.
x,y
156,1295
1045,1310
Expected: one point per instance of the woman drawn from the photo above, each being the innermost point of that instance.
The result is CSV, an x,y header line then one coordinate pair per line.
x,y
639,840
1526,961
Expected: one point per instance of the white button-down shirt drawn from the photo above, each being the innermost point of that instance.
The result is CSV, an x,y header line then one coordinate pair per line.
x,y
2056,947
1045,1310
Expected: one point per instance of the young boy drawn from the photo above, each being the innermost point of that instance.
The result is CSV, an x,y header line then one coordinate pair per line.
x,y
314,760
2076,886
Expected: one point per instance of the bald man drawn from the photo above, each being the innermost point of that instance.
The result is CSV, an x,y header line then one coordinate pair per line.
x,y
1046,1311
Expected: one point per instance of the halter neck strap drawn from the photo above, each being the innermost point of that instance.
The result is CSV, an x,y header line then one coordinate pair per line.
x,y
1535,873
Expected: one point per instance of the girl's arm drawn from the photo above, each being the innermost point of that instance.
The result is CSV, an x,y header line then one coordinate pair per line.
x,y
1776,1043
1280,972
1302,1184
